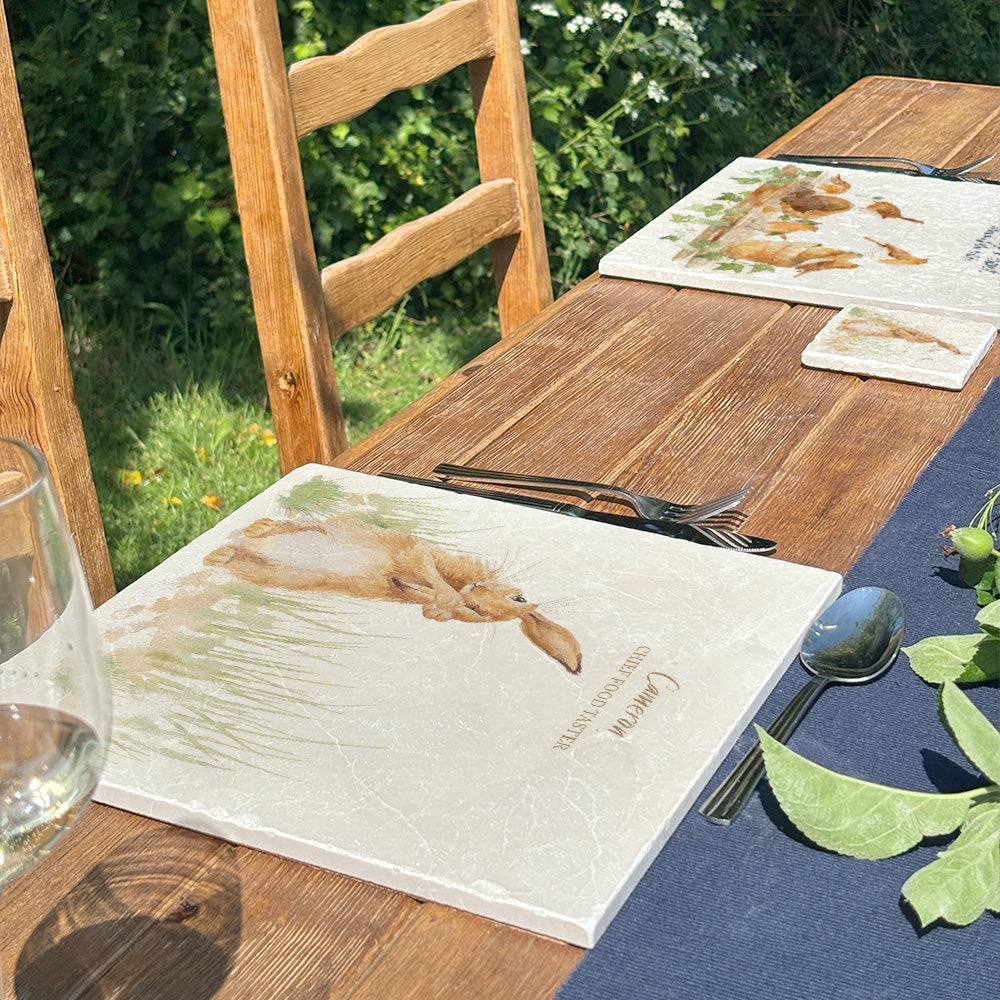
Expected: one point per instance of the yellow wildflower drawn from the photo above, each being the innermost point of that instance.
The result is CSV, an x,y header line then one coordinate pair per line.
x,y
129,477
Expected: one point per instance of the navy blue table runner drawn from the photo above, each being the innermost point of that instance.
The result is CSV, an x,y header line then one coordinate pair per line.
x,y
750,912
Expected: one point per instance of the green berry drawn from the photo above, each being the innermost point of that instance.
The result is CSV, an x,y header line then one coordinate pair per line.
x,y
974,544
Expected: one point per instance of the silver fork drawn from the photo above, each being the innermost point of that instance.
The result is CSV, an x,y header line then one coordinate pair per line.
x,y
716,529
727,520
926,169
727,539
650,508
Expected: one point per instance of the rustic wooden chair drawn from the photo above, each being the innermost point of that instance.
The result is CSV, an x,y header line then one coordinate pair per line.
x,y
37,402
268,107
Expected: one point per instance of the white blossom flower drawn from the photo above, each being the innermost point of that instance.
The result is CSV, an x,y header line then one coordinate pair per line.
x,y
669,19
613,12
545,9
726,105
636,78
525,47
655,92
579,24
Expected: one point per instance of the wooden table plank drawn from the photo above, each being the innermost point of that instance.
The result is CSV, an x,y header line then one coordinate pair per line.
x,y
626,390
937,122
773,421
480,402
860,113
873,448
934,129
445,954
335,926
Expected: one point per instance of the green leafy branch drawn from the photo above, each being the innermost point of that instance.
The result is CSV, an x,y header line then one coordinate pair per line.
x,y
866,820
964,659
977,549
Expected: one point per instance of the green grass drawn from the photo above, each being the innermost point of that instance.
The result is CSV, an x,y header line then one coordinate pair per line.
x,y
177,423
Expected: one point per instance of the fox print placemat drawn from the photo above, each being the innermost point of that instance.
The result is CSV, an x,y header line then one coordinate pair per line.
x,y
497,708
828,236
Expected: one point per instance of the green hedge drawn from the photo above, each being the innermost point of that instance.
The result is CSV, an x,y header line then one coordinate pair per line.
x,y
631,104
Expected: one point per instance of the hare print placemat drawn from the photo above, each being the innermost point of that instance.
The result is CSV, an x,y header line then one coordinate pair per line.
x,y
497,708
829,236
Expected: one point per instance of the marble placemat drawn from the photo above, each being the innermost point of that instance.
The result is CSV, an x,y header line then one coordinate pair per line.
x,y
497,708
830,236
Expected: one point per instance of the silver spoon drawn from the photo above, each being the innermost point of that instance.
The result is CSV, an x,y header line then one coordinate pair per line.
x,y
855,640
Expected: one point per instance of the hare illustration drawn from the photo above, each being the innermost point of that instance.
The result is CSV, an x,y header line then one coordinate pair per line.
x,y
379,564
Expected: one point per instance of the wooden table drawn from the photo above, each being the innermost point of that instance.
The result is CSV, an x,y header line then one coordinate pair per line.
x,y
619,380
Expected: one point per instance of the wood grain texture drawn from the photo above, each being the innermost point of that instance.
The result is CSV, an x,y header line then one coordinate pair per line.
x,y
277,236
37,400
444,954
504,148
943,123
363,287
144,909
6,284
679,391
459,416
339,87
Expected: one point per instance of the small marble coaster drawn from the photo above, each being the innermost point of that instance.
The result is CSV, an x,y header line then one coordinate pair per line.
x,y
925,348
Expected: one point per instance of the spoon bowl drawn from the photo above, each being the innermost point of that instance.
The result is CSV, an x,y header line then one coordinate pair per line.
x,y
854,641
857,638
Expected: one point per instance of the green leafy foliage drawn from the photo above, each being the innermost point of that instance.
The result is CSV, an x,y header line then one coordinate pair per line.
x,y
632,102
867,820
979,560
964,881
854,817
971,730
871,821
961,658
965,659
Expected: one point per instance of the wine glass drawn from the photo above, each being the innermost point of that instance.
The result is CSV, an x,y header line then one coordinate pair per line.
x,y
55,708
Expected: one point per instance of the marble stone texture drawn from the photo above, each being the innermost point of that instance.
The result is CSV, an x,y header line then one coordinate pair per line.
x,y
906,346
497,708
830,236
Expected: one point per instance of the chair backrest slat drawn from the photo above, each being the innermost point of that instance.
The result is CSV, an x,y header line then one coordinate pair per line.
x,y
339,87
364,286
504,147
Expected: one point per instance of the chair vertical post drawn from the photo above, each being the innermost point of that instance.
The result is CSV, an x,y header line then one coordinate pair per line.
x,y
288,301
37,400
520,262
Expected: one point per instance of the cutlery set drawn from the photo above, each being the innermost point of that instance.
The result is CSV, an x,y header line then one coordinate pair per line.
x,y
714,522
897,164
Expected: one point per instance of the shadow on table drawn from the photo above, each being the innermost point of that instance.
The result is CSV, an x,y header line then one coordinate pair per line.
x,y
156,921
